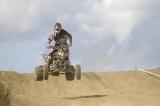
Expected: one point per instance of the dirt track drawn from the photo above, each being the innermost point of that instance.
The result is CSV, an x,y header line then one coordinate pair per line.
x,y
95,89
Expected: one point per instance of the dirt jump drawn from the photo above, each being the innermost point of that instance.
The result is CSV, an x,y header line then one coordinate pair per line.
x,y
128,88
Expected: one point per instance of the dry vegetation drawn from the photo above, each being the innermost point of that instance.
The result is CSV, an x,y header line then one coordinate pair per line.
x,y
4,92
4,95
8,81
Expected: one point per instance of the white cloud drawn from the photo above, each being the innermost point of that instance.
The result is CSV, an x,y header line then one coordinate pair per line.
x,y
3,3
100,28
112,17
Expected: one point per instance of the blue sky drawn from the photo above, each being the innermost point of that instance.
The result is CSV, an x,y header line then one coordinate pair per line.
x,y
107,34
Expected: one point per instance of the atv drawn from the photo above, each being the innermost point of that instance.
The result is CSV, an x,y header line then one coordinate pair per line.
x,y
60,64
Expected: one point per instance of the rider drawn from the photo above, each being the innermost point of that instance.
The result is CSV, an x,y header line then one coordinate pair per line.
x,y
57,35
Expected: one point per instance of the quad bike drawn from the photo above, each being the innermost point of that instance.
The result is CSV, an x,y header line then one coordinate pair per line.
x,y
60,64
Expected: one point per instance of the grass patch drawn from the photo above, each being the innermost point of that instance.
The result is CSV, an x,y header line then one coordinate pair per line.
x,y
4,94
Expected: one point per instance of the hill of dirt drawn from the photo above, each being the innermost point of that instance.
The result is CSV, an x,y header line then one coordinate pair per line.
x,y
129,88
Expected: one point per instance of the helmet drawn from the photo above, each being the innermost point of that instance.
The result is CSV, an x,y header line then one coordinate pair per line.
x,y
57,27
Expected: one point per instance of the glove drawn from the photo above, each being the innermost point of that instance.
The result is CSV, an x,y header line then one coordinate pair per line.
x,y
49,41
70,44
48,46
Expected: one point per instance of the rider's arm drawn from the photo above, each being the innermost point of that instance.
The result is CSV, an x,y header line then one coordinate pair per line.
x,y
50,38
70,37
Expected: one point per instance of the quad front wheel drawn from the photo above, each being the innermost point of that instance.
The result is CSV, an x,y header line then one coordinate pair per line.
x,y
70,73
45,72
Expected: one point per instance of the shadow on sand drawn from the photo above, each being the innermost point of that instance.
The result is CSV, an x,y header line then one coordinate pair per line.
x,y
84,97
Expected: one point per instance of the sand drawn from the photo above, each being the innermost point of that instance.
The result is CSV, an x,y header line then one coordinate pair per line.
x,y
129,88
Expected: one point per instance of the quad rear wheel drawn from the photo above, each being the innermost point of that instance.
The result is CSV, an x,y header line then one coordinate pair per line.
x,y
78,72
45,72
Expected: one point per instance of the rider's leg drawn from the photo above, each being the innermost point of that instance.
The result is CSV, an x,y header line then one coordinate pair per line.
x,y
49,59
67,57
51,55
